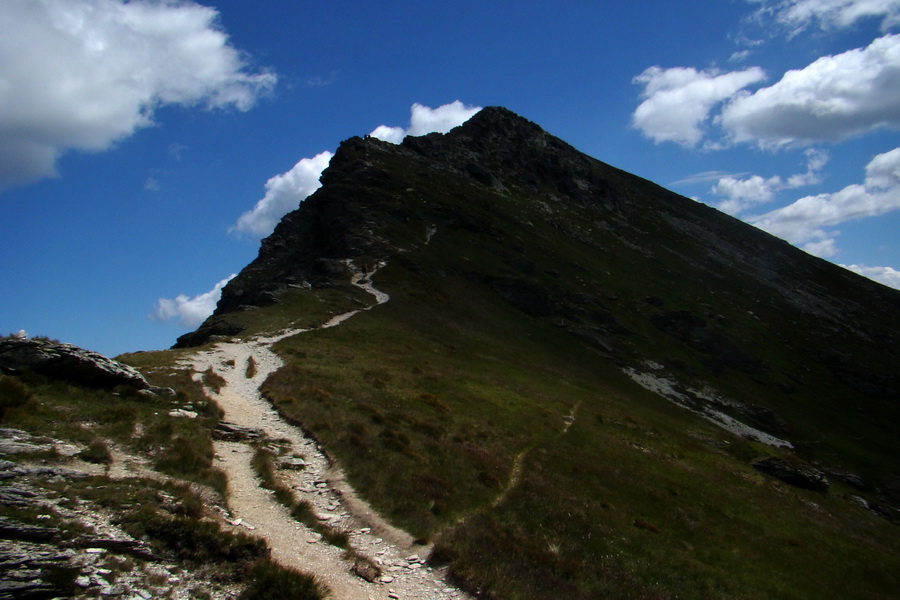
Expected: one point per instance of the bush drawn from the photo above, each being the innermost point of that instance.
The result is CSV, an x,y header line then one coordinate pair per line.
x,y
12,393
271,581
96,452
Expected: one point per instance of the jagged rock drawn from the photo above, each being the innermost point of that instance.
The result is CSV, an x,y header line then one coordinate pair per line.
x,y
231,432
15,530
291,462
65,361
802,476
13,496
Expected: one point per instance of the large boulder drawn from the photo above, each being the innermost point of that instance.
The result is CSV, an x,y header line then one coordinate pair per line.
x,y
67,362
798,475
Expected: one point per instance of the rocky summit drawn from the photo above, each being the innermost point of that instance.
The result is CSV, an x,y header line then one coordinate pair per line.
x,y
483,364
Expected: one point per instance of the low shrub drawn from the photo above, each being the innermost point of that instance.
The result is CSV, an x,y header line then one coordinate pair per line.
x,y
271,581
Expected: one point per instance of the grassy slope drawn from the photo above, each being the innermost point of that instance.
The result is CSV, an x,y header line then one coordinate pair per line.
x,y
447,405
428,400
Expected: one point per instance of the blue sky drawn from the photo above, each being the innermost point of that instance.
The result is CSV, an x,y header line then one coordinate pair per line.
x,y
146,147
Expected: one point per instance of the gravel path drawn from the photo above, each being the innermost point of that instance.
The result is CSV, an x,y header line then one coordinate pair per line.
x,y
254,509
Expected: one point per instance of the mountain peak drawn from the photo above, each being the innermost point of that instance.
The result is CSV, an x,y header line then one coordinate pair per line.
x,y
540,303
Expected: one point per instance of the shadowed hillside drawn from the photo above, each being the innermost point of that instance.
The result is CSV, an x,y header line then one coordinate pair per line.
x,y
545,397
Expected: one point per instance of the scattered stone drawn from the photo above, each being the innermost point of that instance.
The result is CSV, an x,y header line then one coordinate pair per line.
x,y
798,475
180,413
291,462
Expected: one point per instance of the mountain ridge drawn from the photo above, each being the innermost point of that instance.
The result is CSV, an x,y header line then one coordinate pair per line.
x,y
470,150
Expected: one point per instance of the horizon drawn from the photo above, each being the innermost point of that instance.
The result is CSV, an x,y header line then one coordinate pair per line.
x,y
146,148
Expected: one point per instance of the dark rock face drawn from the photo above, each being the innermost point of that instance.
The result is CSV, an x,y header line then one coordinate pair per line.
x,y
798,475
70,363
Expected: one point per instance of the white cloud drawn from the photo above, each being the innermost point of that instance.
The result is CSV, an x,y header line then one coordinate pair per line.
x,y
424,119
886,275
82,74
824,247
705,176
806,220
283,194
798,15
677,101
829,100
190,312
385,133
743,193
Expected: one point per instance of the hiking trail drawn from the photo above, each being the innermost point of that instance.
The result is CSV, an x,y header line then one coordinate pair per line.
x,y
254,509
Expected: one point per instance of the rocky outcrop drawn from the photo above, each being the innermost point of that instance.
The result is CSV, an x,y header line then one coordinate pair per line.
x,y
69,363
798,475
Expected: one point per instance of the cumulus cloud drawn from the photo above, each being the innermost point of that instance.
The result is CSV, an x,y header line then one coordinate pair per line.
x,y
385,133
677,101
424,119
82,74
798,15
189,312
283,194
742,193
807,220
886,275
831,99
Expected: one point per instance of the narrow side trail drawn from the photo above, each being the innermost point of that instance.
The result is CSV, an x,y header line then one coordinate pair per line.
x,y
404,574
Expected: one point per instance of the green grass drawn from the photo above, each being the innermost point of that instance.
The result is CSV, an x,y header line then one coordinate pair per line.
x,y
136,422
426,410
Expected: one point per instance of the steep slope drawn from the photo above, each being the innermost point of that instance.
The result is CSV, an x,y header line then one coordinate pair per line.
x,y
491,406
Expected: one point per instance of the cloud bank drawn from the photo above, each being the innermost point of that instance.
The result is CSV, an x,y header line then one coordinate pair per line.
x,y
809,219
886,275
831,99
677,101
742,193
82,74
190,312
285,192
798,15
